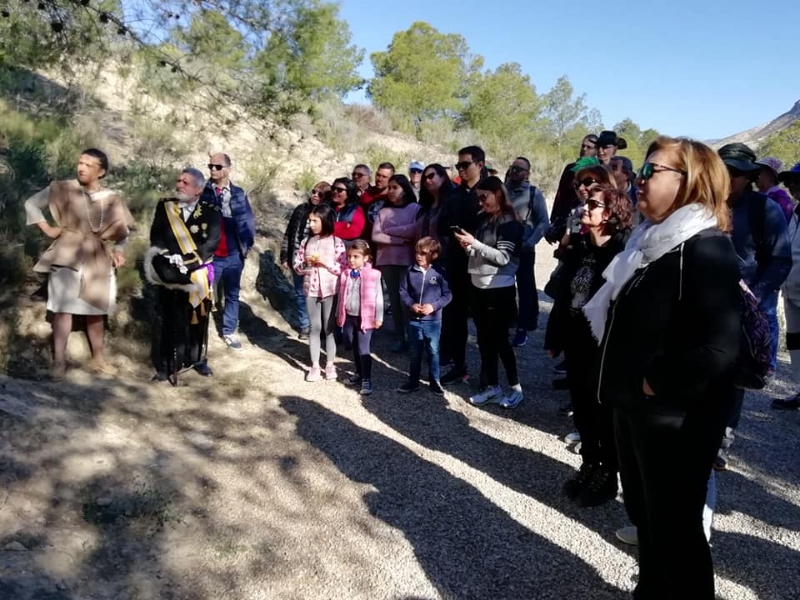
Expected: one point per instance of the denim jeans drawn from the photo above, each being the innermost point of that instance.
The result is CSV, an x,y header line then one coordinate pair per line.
x,y
300,299
421,335
769,304
228,274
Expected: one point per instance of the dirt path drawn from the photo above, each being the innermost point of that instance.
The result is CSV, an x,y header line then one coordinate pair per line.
x,y
256,485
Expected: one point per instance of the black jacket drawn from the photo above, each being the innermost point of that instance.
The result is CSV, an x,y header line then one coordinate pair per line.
x,y
296,231
204,227
684,348
460,208
567,328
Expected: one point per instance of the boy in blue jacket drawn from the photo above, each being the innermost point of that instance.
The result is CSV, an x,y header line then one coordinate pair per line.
x,y
425,293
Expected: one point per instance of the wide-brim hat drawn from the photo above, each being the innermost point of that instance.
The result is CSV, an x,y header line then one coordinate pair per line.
x,y
607,138
772,163
739,156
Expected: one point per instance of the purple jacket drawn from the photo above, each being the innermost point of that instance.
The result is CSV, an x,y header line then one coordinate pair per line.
x,y
394,232
429,287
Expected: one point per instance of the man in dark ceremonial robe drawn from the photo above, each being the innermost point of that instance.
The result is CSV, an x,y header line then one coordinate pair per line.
x,y
183,237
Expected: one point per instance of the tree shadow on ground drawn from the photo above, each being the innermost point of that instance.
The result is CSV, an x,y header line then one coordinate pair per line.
x,y
465,543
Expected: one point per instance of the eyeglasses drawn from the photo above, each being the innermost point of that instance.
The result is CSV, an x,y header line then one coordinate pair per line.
x,y
356,175
462,166
339,190
215,167
585,182
592,204
649,169
430,175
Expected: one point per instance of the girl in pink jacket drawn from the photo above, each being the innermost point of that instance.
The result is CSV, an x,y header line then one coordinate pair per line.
x,y
320,259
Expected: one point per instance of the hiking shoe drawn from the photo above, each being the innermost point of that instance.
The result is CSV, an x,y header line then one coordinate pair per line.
x,y
573,486
572,438
561,384
408,387
721,460
493,393
366,387
454,375
560,368
436,388
512,399
330,371
204,369
304,333
232,342
566,409
353,380
792,403
314,374
599,489
520,338
628,535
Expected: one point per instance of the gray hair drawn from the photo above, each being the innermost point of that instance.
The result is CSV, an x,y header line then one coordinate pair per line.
x,y
197,175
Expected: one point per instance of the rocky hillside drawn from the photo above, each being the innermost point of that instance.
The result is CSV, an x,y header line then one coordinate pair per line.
x,y
753,137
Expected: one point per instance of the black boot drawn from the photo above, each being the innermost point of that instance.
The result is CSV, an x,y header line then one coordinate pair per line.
x,y
599,489
573,486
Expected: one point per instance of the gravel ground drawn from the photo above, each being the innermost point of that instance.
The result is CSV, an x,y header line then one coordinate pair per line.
x,y
258,485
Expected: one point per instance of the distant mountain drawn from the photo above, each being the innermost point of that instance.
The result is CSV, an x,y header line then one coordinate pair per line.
x,y
753,137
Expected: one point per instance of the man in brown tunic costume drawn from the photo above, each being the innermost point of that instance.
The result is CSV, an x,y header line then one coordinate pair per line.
x,y
80,263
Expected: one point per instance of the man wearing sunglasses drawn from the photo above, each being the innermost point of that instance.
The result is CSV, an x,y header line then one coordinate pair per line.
x,y
238,235
530,205
760,237
415,170
362,175
459,213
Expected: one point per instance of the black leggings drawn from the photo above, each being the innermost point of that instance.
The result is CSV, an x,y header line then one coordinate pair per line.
x,y
495,309
360,341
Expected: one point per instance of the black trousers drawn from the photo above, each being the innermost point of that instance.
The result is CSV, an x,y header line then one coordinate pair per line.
x,y
494,311
593,420
455,320
665,459
177,335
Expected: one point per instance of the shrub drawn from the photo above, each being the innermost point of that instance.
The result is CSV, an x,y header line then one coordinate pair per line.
x,y
374,154
305,180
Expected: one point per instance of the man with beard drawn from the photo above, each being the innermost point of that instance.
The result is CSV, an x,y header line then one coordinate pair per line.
x,y
185,232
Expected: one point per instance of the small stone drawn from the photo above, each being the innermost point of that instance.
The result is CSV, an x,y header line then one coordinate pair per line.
x,y
61,586
201,441
105,501
15,547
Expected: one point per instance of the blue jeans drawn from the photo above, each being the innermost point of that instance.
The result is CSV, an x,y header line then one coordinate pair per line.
x,y
769,304
228,274
300,299
424,334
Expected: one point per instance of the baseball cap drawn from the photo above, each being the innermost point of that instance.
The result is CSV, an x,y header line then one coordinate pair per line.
x,y
416,166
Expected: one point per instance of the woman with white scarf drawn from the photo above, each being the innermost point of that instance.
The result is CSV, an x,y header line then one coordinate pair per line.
x,y
668,323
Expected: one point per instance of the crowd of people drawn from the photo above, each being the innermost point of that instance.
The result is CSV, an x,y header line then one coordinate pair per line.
x,y
655,267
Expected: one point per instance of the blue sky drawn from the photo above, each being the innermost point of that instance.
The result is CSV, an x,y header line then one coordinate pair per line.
x,y
704,68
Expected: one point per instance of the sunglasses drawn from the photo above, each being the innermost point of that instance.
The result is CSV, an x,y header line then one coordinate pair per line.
x,y
358,175
430,175
337,190
592,204
585,182
461,166
215,167
316,192
649,169
414,171
516,169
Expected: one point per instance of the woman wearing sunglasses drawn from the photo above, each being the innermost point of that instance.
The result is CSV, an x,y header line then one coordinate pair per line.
x,y
606,221
349,218
669,326
436,185
296,232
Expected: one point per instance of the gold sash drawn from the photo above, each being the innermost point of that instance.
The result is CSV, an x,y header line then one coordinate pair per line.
x,y
199,277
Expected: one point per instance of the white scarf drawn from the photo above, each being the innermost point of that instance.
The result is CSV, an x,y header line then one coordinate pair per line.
x,y
649,242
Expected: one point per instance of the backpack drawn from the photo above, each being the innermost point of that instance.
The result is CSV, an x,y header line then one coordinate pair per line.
x,y
755,353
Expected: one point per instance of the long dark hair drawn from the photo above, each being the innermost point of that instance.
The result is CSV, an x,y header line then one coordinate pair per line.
x,y
325,214
426,199
495,185
408,192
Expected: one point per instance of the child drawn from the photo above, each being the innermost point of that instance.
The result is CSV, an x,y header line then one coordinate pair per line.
x,y
320,259
360,310
425,292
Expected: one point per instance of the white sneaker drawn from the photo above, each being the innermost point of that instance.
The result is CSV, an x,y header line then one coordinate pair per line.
x,y
493,393
572,438
513,398
628,535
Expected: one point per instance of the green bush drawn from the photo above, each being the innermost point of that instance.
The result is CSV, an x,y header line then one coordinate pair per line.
x,y
305,180
374,154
